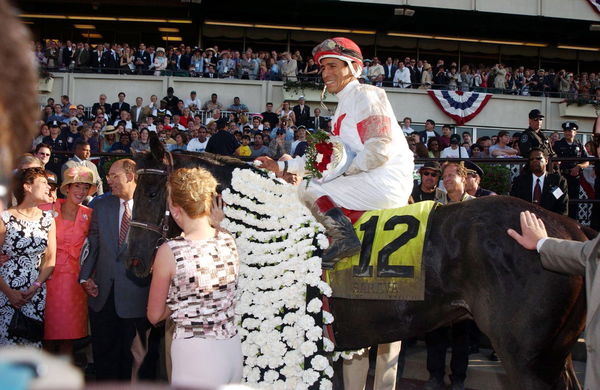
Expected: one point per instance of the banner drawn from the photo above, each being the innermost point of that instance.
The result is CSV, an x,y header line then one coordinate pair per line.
x,y
595,4
458,105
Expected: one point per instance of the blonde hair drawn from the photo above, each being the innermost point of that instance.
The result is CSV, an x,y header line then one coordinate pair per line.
x,y
192,189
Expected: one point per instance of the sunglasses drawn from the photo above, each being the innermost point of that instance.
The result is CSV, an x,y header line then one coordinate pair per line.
x,y
429,173
44,154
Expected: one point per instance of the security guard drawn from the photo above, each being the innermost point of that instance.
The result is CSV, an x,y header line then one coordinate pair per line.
x,y
57,143
533,137
571,170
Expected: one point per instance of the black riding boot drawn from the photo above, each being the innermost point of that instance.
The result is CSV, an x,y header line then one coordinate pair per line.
x,y
343,241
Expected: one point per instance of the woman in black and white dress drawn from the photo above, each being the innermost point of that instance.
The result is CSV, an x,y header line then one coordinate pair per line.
x,y
28,238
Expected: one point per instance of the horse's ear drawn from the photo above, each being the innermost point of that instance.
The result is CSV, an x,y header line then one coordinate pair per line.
x,y
156,147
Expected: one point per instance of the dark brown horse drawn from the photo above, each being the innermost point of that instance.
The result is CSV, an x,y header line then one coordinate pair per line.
x,y
473,269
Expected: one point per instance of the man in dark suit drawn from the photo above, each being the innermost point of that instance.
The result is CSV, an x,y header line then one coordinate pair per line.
x,y
82,56
548,190
302,112
317,122
117,303
142,59
101,103
390,70
96,58
119,106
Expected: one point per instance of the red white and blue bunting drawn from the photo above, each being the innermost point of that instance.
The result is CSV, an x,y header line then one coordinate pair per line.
x,y
595,4
458,105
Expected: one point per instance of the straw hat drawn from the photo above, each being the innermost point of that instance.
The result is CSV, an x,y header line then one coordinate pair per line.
x,y
78,174
108,130
160,49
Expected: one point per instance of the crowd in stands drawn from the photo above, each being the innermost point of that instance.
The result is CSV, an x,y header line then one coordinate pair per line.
x,y
185,60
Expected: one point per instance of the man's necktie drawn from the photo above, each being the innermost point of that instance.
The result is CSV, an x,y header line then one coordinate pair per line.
x,y
124,224
537,192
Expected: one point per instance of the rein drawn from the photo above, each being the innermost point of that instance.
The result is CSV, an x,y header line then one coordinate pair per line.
x,y
163,226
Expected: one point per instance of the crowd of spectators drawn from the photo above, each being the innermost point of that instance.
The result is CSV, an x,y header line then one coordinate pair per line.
x,y
185,60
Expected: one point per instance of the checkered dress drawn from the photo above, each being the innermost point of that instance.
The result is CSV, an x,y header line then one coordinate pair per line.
x,y
202,293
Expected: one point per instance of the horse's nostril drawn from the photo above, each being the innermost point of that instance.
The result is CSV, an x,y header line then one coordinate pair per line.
x,y
135,262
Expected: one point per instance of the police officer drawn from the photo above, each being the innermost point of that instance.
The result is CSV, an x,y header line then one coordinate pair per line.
x,y
571,170
56,142
533,137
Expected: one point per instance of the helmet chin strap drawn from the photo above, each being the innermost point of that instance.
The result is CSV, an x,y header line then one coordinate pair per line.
x,y
356,72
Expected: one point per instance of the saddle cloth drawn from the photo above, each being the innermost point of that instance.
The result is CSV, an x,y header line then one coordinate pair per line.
x,y
390,265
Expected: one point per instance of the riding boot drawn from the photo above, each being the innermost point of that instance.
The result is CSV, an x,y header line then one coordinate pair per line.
x,y
343,241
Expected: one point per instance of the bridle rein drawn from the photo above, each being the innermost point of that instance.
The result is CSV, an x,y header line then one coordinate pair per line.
x,y
162,228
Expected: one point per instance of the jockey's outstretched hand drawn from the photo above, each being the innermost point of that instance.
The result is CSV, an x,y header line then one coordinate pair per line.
x,y
533,230
268,163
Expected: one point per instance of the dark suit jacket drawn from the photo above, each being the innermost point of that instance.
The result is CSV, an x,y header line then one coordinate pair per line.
x,y
96,106
423,136
133,112
145,56
389,74
302,116
223,142
106,263
95,62
322,123
116,112
522,187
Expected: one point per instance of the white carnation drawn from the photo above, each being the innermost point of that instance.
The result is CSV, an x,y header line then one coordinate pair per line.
x,y
327,317
308,348
319,363
326,384
271,376
329,372
328,345
306,322
310,376
314,333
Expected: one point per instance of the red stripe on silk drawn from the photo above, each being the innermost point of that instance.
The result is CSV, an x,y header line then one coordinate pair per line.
x,y
338,123
374,126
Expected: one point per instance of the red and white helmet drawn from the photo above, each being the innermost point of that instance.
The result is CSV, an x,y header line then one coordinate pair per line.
x,y
341,48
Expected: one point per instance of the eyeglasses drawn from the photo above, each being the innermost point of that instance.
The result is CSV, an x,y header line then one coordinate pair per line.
x,y
429,173
44,154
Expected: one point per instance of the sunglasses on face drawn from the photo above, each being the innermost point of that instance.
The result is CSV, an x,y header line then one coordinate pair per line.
x,y
44,154
429,173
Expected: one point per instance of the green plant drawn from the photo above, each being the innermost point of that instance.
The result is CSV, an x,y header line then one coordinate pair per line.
x,y
496,178
301,85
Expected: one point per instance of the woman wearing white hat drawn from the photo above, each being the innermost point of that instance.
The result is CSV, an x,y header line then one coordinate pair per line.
x,y
160,61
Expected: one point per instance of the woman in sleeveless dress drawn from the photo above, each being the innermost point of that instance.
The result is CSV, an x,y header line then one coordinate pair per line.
x,y
29,240
194,281
66,316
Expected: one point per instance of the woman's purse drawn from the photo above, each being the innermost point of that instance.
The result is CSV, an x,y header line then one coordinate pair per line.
x,y
25,327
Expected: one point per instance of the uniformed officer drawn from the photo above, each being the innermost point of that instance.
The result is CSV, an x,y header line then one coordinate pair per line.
x,y
533,137
57,143
571,170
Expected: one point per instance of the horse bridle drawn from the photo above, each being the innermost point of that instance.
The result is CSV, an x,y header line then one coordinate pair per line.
x,y
163,226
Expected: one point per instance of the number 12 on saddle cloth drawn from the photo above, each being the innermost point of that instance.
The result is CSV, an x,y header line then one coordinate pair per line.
x,y
390,264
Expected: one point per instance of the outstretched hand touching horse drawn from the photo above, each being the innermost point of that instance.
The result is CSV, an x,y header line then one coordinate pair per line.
x,y
533,230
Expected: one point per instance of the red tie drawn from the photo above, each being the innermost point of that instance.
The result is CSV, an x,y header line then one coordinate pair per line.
x,y
124,224
537,192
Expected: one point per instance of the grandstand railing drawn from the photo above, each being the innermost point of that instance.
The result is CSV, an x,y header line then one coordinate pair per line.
x,y
515,166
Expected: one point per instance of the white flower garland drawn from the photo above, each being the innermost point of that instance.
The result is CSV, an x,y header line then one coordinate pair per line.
x,y
276,239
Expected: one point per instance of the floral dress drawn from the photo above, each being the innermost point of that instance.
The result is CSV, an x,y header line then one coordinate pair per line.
x,y
25,242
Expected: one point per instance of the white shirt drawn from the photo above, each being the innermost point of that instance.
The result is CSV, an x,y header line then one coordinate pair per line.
x,y
122,209
128,124
188,102
210,119
453,153
534,182
402,78
408,130
196,146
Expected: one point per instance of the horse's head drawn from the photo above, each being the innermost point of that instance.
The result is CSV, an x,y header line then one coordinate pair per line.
x,y
150,222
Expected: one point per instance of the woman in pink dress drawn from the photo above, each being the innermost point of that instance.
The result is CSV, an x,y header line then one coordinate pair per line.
x,y
65,317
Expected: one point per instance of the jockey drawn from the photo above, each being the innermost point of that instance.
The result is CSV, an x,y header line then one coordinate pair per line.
x,y
380,175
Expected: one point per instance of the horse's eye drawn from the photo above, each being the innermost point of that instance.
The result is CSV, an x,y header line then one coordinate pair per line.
x,y
153,195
